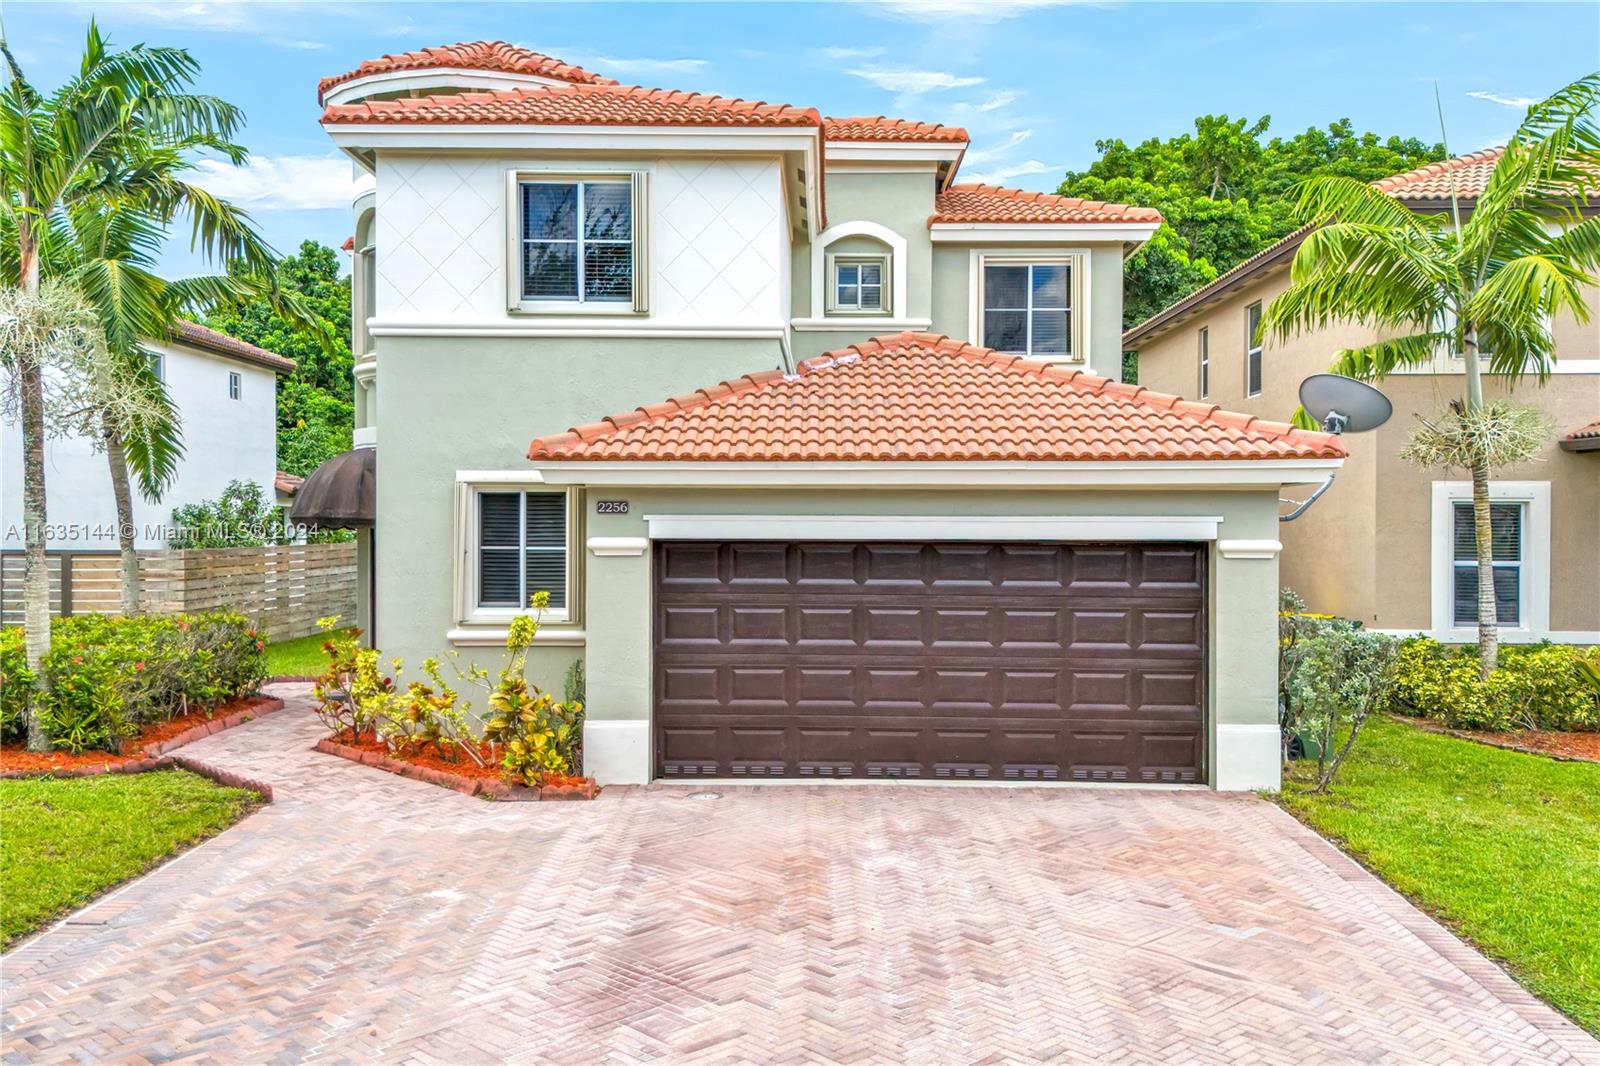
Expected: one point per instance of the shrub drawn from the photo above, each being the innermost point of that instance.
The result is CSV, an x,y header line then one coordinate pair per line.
x,y
1345,674
109,677
1538,686
16,680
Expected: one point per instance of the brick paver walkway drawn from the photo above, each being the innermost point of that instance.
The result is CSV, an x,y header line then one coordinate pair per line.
x,y
364,916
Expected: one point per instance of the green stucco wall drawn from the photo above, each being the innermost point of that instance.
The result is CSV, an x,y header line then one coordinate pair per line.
x,y
465,403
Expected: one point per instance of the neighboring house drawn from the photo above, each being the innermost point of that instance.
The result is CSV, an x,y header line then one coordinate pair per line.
x,y
225,392
1390,543
830,556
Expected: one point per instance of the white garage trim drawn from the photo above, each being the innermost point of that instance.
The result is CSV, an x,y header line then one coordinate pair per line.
x,y
1248,757
932,527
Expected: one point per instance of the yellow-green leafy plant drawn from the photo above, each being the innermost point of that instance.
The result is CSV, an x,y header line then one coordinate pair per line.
x,y
537,735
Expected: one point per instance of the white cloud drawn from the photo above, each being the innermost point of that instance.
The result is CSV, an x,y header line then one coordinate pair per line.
x,y
281,183
606,64
229,16
914,81
852,53
1505,101
1016,170
997,101
999,151
970,10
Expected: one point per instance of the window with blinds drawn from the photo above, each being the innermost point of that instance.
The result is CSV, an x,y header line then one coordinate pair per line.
x,y
1506,540
522,548
1027,309
578,241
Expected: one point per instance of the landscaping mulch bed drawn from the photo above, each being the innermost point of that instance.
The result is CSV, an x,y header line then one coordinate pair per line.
x,y
1568,747
428,763
144,751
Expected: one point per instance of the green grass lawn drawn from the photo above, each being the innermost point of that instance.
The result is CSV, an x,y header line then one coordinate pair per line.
x,y
300,657
63,841
1502,846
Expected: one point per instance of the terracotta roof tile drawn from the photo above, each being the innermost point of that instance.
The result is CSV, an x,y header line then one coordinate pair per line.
x,y
881,128
574,105
197,336
1469,174
286,483
921,397
1589,432
992,203
495,56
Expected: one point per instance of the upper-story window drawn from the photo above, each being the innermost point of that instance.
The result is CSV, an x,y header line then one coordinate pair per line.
x,y
1205,362
860,283
1252,350
235,385
1027,308
578,243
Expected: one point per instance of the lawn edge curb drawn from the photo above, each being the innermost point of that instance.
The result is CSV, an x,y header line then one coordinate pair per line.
x,y
469,786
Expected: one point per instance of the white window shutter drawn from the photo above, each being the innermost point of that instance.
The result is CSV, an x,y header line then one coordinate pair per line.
x,y
641,242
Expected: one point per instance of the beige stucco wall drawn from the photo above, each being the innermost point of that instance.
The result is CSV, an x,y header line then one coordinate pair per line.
x,y
1242,670
1364,550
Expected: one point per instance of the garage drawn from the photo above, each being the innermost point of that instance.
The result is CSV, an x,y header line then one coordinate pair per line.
x,y
931,661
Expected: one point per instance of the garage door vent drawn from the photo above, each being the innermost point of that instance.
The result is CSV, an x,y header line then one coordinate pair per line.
x,y
1099,773
826,769
972,770
677,768
758,769
894,769
1032,772
1171,776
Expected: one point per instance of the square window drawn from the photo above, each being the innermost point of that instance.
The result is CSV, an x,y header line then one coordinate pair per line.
x,y
1027,308
521,548
858,284
577,241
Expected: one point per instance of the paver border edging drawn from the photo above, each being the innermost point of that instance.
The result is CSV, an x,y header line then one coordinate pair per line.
x,y
470,786
1445,731
158,756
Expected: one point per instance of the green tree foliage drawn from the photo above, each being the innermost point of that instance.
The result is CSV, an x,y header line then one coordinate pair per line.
x,y
315,411
1225,191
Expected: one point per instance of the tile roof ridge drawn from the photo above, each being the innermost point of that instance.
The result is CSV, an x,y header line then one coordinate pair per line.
x,y
1438,168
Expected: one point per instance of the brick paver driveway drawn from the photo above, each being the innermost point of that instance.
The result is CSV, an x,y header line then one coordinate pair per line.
x,y
366,916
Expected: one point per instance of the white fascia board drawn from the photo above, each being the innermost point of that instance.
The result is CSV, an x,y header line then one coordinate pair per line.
x,y
507,136
883,151
933,527
432,78
1199,474
553,326
1042,233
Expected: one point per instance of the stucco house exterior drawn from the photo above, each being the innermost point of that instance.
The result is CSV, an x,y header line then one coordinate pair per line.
x,y
1390,543
225,392
821,454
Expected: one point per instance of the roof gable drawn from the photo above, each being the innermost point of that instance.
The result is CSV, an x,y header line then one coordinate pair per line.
x,y
207,339
495,56
574,105
918,397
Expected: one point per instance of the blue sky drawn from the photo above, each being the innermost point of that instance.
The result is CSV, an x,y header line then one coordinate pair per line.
x,y
1036,82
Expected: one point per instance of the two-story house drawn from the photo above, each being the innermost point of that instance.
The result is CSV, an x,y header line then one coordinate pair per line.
x,y
226,394
820,454
1391,544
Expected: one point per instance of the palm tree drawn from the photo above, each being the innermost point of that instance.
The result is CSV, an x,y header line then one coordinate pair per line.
x,y
75,147
1482,288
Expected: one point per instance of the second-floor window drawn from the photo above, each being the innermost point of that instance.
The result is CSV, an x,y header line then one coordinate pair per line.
x,y
860,283
235,386
1252,350
1027,309
577,240
1205,362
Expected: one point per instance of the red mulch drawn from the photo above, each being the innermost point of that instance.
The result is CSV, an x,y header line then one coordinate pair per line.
x,y
427,755
15,758
1565,745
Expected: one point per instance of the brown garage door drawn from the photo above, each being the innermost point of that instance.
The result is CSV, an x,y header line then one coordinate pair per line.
x,y
954,660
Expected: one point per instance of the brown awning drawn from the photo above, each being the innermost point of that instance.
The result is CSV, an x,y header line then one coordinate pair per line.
x,y
342,493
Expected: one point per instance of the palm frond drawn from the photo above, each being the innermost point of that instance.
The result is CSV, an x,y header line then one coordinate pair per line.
x,y
1331,198
1373,362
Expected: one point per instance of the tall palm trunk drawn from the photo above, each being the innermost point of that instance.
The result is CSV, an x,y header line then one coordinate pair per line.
x,y
117,459
36,580
1482,525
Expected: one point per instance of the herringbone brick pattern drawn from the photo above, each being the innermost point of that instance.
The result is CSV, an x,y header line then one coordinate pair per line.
x,y
367,917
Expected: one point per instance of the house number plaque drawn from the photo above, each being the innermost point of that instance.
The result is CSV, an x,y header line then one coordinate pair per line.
x,y
611,507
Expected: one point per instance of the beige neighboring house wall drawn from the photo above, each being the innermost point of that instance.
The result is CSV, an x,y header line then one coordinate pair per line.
x,y
1365,550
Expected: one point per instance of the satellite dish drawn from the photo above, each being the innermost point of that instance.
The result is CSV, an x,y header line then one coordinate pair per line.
x,y
1344,405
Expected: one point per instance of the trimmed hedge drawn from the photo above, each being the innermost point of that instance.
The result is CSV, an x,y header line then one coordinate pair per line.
x,y
110,677
1537,686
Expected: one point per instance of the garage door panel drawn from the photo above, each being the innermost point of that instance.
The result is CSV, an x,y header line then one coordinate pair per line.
x,y
952,661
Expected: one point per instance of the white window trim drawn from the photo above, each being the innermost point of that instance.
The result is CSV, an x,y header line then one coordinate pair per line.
x,y
469,483
821,264
1252,348
638,180
884,261
1078,296
1535,583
